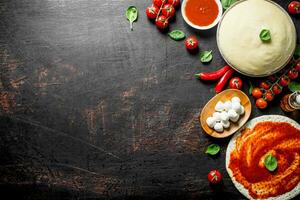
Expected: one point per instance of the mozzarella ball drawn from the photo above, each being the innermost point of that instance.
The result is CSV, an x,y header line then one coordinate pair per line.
x,y
217,115
242,111
218,127
227,105
235,119
236,106
219,106
236,99
224,116
298,99
225,124
232,114
211,121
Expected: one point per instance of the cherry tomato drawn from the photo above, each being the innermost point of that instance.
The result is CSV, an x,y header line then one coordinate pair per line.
x,y
293,74
162,22
257,93
276,89
152,11
272,79
297,66
168,11
261,103
191,43
214,177
264,85
284,81
294,7
158,3
236,83
269,96
175,3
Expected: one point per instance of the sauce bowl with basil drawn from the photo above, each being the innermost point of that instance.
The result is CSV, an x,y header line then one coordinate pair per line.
x,y
201,14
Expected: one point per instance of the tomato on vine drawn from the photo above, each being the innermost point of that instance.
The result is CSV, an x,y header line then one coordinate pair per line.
x,y
158,3
168,11
175,3
276,89
257,93
152,12
162,22
297,66
261,103
293,74
284,81
264,85
269,96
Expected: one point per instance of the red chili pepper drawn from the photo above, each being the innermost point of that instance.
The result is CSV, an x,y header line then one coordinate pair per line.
x,y
209,76
222,82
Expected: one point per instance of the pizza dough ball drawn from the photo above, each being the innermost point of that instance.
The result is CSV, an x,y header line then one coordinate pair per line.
x,y
211,121
219,127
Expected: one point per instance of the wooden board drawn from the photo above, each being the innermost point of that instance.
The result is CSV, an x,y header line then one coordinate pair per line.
x,y
92,110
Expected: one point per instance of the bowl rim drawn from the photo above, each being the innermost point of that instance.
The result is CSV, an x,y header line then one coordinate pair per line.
x,y
260,75
216,21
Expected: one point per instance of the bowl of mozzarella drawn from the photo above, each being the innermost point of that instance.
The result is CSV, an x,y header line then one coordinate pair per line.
x,y
225,114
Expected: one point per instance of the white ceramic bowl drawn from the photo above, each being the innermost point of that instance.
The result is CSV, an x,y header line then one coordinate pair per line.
x,y
183,4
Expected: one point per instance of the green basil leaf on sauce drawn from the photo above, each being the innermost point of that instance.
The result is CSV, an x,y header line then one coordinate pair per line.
x,y
294,86
265,35
206,56
270,162
213,149
227,3
132,15
297,51
177,35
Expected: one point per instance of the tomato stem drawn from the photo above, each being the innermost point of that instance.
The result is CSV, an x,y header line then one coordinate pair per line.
x,y
162,4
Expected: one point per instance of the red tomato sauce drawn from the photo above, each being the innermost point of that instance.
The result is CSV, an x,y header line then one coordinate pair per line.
x,y
201,12
280,139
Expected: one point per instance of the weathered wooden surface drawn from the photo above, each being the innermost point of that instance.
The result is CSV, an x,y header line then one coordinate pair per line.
x,y
89,109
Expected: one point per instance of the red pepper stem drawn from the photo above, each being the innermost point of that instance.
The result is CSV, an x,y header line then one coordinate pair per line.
x,y
196,75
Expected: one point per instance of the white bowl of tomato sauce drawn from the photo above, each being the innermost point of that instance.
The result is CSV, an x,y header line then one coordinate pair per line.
x,y
201,14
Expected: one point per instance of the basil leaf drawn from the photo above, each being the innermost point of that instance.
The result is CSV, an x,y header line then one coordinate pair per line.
x,y
206,56
176,35
227,3
250,88
213,149
132,15
294,86
265,35
297,50
270,162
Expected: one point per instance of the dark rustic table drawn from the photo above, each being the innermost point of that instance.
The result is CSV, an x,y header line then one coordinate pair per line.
x,y
90,109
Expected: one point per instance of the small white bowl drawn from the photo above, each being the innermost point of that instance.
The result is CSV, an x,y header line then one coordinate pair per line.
x,y
183,4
